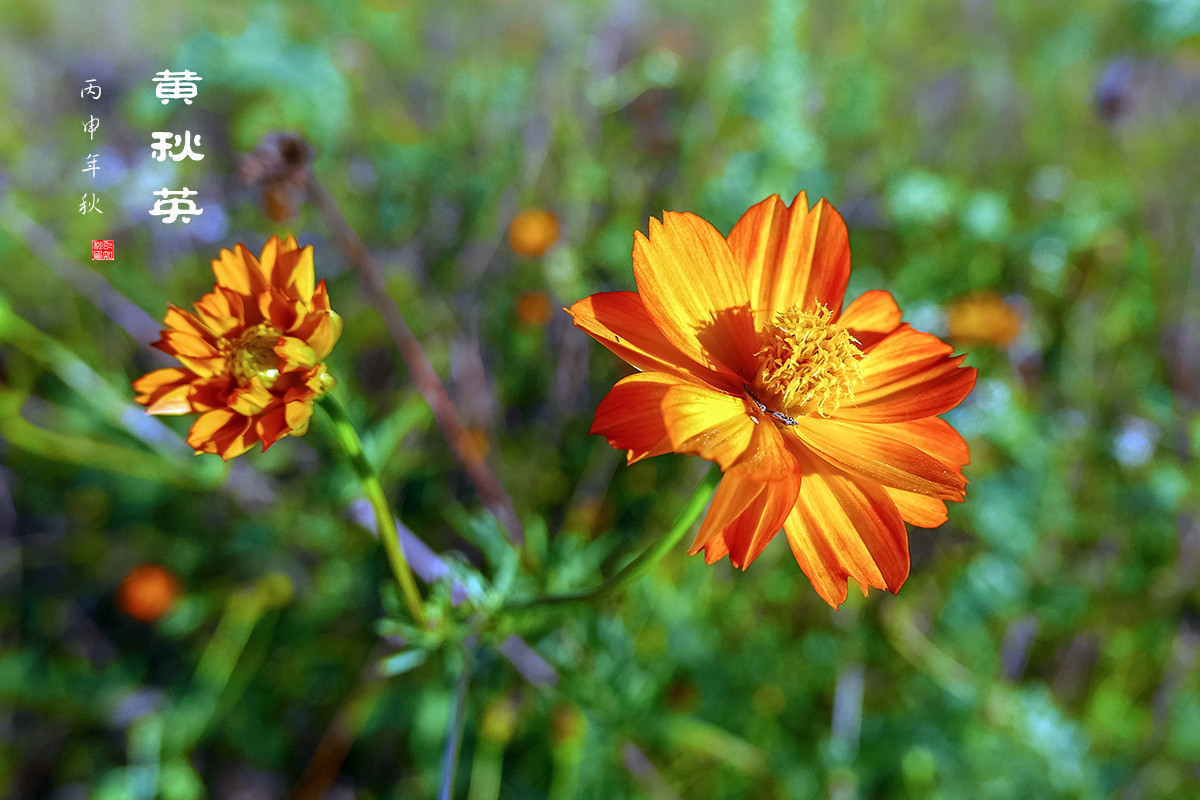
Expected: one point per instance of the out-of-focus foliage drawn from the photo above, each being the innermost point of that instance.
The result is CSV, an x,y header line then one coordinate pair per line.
x,y
1047,641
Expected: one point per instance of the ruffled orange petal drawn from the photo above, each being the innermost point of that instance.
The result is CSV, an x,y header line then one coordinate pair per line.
x,y
294,272
630,416
294,354
696,294
792,255
250,399
298,414
743,517
841,528
185,345
866,451
620,322
906,376
934,436
272,425
919,509
721,427
872,316
222,432
730,499
761,520
321,330
240,271
188,324
165,391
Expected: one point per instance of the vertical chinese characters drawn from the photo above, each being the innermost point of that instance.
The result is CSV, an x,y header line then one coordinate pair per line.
x,y
89,203
175,204
91,91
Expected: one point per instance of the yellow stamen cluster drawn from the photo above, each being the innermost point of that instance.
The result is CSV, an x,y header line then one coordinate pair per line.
x,y
253,355
807,364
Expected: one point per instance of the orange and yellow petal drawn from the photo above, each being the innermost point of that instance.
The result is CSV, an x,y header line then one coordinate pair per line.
x,y
322,331
872,316
250,399
919,509
696,294
630,416
934,436
239,271
294,271
620,322
720,427
222,432
294,354
846,528
165,391
868,452
908,375
744,516
792,256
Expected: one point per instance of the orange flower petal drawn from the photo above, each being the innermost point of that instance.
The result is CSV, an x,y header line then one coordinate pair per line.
x,y
321,330
872,316
868,452
179,343
919,509
630,416
294,354
272,425
298,413
696,293
294,271
708,423
206,425
620,322
761,520
165,391
842,527
934,436
222,432
239,270
250,400
792,255
908,375
730,499
188,324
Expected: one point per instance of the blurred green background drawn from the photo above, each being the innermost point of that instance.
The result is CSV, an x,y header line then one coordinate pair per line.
x,y
1023,176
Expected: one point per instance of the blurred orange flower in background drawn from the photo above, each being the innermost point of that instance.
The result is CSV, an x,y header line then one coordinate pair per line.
x,y
824,422
532,232
251,352
147,592
984,318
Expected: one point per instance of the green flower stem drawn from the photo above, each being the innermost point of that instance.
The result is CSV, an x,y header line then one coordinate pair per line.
x,y
385,522
649,557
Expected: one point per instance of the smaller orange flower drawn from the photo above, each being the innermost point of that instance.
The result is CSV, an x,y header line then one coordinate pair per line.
x,y
983,318
532,308
251,352
532,232
147,593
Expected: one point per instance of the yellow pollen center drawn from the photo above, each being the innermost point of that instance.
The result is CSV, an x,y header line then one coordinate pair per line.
x,y
808,364
253,356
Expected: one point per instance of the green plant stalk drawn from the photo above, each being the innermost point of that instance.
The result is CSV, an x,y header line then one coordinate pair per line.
x,y
385,522
243,611
648,558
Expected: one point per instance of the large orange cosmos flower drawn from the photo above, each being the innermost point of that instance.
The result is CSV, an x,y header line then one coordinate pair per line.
x,y
251,353
822,420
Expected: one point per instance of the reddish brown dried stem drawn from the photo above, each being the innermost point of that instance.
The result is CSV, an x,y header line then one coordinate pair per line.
x,y
491,493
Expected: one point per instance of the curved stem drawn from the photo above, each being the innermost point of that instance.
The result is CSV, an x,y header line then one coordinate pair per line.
x,y
385,522
649,557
